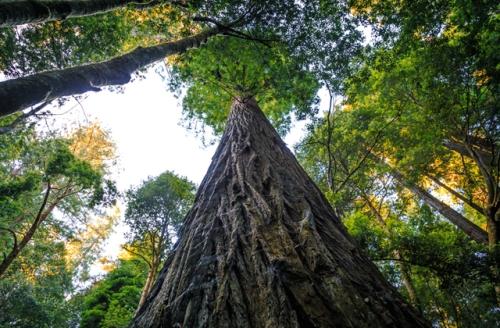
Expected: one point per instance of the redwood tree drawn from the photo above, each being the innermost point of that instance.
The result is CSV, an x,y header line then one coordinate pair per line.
x,y
261,247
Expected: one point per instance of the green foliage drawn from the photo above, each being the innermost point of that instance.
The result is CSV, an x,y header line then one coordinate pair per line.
x,y
112,301
77,41
427,79
29,165
450,273
226,68
60,44
39,173
321,36
367,233
430,76
155,211
162,200
35,292
344,143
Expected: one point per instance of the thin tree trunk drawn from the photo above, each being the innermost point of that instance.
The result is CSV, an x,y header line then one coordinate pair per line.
x,y
490,171
18,94
261,247
406,279
462,149
493,226
488,164
148,285
452,191
494,248
18,12
487,159
467,226
18,247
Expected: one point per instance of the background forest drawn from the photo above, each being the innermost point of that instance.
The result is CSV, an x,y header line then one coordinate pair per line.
x,y
400,103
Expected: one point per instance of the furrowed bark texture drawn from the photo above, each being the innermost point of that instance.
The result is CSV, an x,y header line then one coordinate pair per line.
x,y
16,12
262,247
18,94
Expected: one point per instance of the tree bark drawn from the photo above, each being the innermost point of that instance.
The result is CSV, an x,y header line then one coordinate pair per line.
x,y
494,248
261,247
493,214
19,12
18,94
148,285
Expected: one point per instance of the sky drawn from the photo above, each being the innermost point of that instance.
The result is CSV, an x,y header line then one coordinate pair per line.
x,y
144,122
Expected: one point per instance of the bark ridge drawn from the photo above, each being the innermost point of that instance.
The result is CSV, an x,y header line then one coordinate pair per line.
x,y
261,247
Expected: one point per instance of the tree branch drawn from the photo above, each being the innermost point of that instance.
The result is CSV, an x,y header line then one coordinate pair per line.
x,y
137,254
33,112
456,194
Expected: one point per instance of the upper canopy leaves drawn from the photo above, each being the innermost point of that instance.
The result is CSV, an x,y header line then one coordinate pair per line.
x,y
229,67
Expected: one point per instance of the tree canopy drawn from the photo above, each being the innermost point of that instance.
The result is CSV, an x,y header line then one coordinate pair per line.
x,y
401,100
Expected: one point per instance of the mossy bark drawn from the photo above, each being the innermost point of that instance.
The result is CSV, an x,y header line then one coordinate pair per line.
x,y
262,247
16,12
18,94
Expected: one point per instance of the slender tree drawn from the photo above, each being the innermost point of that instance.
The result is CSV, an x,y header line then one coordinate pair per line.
x,y
154,212
18,94
464,224
261,247
403,266
18,12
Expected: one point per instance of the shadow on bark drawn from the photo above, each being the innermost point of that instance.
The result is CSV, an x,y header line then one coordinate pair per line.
x,y
261,247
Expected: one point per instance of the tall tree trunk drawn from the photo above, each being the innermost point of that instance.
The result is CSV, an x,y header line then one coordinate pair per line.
x,y
18,94
261,247
468,227
458,195
18,12
494,247
148,285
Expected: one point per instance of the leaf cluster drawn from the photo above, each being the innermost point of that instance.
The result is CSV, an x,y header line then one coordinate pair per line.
x,y
228,68
111,302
